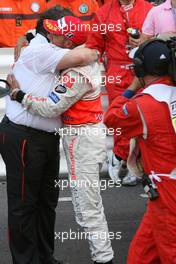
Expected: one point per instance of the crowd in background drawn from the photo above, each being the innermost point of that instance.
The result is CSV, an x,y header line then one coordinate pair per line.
x,y
17,17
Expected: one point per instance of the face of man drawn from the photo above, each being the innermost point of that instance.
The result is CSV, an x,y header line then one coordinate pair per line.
x,y
57,40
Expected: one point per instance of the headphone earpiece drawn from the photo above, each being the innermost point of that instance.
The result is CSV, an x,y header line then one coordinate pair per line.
x,y
139,67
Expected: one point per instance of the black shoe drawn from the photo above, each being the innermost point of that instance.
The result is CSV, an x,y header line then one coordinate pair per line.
x,y
109,262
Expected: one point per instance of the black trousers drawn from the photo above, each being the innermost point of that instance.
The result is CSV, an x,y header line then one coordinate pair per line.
x,y
32,165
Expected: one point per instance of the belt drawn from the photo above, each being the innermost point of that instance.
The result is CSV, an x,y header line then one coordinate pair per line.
x,y
27,129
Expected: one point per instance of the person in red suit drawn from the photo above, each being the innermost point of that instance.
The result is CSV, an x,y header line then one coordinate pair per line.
x,y
114,41
150,117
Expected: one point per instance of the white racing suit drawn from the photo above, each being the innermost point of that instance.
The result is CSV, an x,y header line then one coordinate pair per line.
x,y
84,148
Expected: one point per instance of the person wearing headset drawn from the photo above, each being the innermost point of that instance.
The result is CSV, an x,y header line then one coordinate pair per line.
x,y
150,117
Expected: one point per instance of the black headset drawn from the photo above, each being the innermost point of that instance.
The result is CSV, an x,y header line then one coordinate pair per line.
x,y
139,67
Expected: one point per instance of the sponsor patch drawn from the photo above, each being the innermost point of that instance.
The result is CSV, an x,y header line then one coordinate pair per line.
x,y
54,97
83,9
124,110
173,112
99,117
173,108
67,80
61,89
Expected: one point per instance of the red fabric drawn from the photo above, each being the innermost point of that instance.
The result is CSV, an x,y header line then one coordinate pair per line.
x,y
70,27
115,40
114,45
161,140
84,112
155,240
17,17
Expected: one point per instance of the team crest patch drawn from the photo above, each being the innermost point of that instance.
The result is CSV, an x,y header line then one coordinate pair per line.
x,y
35,7
61,89
83,9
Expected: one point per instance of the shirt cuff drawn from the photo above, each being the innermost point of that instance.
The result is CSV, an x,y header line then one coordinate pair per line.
x,y
128,94
19,97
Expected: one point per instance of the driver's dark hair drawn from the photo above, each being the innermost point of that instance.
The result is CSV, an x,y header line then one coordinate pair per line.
x,y
54,13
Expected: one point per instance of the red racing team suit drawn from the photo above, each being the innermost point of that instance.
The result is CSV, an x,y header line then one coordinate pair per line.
x,y
155,240
113,40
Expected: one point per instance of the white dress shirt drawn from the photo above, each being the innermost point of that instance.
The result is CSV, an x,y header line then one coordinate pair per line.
x,y
35,72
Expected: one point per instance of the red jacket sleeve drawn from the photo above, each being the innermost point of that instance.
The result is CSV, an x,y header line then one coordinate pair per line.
x,y
123,113
96,38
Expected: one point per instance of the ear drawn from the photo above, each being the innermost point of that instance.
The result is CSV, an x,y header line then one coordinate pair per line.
x,y
49,36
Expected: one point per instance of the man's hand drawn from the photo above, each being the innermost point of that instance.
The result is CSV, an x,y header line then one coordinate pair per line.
x,y
22,41
134,42
14,86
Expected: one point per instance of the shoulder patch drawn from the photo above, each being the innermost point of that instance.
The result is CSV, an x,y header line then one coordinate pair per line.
x,y
124,110
54,97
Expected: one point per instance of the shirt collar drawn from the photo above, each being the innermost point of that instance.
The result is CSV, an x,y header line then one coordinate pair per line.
x,y
39,39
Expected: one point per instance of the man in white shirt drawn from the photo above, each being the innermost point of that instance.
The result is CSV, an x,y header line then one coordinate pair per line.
x,y
31,153
83,135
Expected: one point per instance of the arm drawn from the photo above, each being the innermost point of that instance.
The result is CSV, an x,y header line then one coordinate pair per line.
x,y
23,41
69,92
145,37
77,57
96,38
148,28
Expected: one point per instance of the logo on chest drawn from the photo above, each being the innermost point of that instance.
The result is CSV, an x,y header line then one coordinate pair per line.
x,y
83,9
